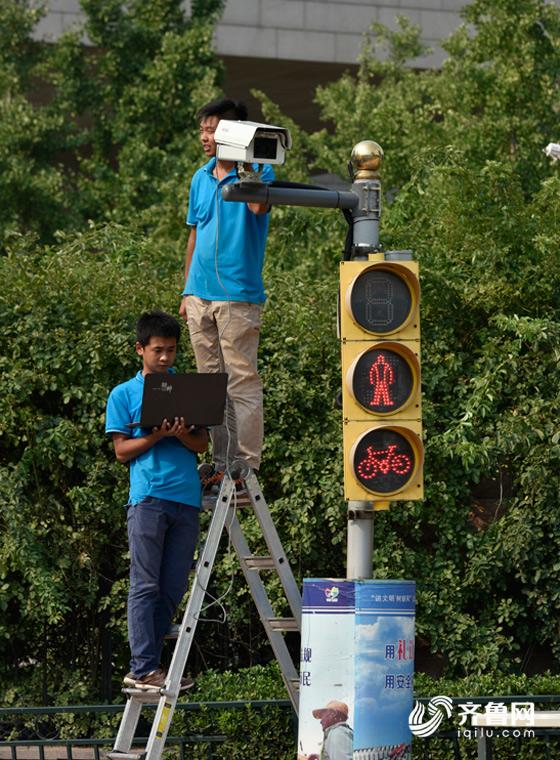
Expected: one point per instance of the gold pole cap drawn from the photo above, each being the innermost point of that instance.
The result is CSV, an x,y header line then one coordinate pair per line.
x,y
365,160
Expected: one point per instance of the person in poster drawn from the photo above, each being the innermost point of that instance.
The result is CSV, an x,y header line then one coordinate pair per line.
x,y
338,737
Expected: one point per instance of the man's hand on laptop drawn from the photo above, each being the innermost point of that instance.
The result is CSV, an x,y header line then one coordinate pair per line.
x,y
191,436
167,428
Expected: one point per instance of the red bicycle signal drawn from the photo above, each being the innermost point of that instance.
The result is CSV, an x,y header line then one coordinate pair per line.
x,y
385,460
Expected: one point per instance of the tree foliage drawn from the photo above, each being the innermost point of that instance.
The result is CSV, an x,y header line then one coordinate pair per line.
x,y
92,191
113,137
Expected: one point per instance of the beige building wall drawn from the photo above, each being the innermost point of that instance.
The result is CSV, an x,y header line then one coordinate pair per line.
x,y
288,47
328,31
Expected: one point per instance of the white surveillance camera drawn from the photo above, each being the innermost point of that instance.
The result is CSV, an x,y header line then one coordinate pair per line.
x,y
552,150
250,142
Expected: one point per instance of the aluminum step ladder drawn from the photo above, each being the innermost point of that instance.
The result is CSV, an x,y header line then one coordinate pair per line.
x,y
224,517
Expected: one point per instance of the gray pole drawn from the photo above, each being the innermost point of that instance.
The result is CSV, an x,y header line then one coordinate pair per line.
x,y
365,161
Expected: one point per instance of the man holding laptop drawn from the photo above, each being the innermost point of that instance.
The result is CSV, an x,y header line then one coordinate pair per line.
x,y
164,501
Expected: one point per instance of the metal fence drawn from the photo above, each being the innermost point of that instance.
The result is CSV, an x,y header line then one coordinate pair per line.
x,y
447,744
56,748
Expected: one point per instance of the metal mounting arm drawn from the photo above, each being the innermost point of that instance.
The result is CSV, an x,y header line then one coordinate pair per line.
x,y
253,192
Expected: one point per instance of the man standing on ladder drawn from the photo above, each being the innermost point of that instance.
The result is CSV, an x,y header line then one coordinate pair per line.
x,y
164,502
224,294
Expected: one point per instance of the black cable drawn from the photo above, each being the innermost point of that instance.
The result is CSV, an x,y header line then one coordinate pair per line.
x,y
348,243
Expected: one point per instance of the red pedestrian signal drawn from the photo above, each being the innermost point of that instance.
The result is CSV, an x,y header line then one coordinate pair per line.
x,y
385,377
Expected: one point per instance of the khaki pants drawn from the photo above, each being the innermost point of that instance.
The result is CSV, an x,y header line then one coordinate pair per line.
x,y
225,338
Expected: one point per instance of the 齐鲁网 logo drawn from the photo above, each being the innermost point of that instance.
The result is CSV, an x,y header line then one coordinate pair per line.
x,y
495,715
436,708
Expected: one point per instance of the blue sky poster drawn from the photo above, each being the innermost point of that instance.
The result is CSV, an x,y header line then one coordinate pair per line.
x,y
384,668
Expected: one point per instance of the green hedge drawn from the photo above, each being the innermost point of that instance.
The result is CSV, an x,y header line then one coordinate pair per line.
x,y
90,243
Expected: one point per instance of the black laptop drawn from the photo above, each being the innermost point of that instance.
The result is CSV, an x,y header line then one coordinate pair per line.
x,y
199,398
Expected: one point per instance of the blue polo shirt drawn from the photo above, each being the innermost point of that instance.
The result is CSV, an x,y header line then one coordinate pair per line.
x,y
230,241
168,469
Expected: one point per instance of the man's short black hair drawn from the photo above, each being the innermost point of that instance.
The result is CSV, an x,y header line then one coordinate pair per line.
x,y
225,108
156,323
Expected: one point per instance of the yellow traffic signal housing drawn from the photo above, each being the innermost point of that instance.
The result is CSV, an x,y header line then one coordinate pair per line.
x,y
381,395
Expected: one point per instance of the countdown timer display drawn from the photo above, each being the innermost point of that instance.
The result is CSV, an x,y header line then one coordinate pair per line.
x,y
381,301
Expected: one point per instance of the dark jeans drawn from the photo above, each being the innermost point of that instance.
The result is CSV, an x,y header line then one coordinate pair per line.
x,y
162,537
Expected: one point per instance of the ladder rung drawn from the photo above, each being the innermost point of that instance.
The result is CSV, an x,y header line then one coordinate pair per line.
x,y
115,755
259,563
283,624
209,501
143,695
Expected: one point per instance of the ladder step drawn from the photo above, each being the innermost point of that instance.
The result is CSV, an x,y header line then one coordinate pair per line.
x,y
241,500
150,696
115,755
283,624
259,563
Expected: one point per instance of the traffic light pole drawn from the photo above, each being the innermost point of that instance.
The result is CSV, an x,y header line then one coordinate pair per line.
x,y
365,239
364,203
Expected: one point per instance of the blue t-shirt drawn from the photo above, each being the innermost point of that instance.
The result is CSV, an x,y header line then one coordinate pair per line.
x,y
168,469
230,241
